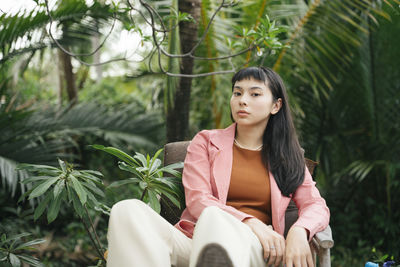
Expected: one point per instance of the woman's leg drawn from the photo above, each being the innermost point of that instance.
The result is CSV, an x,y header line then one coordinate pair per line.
x,y
221,229
138,236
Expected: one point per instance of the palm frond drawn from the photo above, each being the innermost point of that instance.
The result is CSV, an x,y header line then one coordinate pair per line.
x,y
43,135
25,30
324,38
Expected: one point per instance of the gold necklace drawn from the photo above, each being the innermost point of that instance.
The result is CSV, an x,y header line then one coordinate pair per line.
x,y
239,145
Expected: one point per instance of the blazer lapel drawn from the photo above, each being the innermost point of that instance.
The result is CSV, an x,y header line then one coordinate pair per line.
x,y
222,163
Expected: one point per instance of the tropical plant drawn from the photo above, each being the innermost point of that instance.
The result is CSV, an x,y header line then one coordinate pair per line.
x,y
348,120
40,136
149,176
77,189
14,250
30,23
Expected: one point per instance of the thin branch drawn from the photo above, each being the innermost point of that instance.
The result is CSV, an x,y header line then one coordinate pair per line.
x,y
94,231
69,53
158,43
144,192
251,47
91,238
164,30
190,53
76,56
200,74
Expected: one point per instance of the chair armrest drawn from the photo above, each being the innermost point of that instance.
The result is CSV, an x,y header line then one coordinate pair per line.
x,y
324,238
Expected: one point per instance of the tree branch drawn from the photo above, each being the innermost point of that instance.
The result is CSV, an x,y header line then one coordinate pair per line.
x,y
158,43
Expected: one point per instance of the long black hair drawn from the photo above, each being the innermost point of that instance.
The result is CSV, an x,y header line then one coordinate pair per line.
x,y
281,151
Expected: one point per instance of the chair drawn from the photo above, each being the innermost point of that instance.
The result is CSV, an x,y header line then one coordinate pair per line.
x,y
321,243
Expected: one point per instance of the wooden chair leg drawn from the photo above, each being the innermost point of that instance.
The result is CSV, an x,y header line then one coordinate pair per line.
x,y
324,256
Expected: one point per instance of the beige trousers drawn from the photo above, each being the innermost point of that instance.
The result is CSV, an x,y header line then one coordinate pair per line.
x,y
138,236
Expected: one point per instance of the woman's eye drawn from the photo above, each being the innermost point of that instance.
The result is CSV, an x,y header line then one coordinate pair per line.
x,y
236,93
255,94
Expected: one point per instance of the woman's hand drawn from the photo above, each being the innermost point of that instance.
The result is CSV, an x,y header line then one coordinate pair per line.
x,y
298,253
273,243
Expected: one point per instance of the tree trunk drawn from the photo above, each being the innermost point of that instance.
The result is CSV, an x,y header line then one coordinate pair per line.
x,y
178,114
60,77
69,77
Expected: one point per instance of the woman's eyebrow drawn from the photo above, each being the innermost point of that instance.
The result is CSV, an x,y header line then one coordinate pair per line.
x,y
251,88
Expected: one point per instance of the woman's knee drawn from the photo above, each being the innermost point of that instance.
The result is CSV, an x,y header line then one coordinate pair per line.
x,y
125,207
211,212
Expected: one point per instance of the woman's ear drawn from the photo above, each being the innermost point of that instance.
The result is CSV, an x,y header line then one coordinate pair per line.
x,y
276,106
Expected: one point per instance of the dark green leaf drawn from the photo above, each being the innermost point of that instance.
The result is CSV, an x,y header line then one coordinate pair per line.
x,y
155,162
126,167
141,158
55,207
23,196
172,198
85,175
142,185
103,208
30,260
31,243
155,165
15,262
154,203
62,165
118,153
79,189
15,237
77,204
34,167
42,206
42,188
123,182
60,185
90,185
35,179
164,185
92,172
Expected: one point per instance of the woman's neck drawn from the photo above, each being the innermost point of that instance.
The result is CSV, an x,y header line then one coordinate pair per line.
x,y
249,136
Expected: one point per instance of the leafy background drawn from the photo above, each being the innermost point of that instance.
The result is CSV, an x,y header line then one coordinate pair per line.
x,y
340,68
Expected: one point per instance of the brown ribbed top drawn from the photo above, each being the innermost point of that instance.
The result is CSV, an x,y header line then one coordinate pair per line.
x,y
249,189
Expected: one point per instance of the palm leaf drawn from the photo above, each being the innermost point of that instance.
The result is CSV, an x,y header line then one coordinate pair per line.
x,y
39,137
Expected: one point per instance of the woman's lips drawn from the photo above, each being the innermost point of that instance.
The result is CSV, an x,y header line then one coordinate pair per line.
x,y
242,113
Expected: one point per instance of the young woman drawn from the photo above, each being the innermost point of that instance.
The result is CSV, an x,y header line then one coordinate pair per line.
x,y
238,183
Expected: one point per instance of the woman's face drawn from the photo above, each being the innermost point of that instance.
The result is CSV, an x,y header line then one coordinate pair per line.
x,y
252,103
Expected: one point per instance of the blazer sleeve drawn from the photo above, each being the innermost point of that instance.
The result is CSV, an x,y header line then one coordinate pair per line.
x,y
196,179
313,212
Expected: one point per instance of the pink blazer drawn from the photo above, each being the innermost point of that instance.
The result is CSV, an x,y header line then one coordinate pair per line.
x,y
206,177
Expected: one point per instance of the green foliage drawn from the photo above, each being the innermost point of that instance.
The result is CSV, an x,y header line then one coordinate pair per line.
x,y
62,185
29,23
149,176
41,135
353,132
14,250
265,35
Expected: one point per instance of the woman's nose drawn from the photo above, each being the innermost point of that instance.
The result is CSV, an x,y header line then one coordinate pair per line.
x,y
243,100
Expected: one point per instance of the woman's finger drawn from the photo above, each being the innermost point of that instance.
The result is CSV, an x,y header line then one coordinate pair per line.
x,y
304,262
289,262
310,261
297,262
283,246
266,251
272,254
279,253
